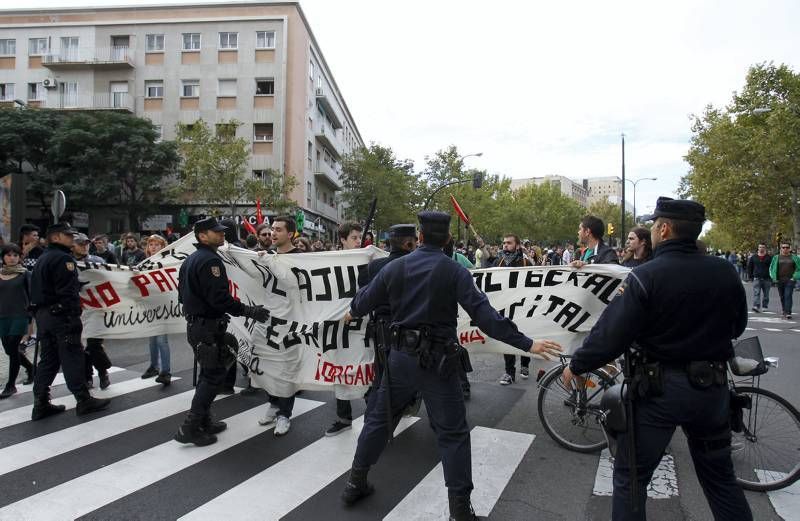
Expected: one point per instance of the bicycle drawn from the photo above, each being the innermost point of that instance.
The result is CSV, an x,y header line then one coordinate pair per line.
x,y
765,453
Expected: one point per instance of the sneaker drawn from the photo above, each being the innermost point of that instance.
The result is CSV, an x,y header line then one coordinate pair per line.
x,y
104,381
507,379
756,310
164,378
524,372
151,372
337,428
269,416
282,425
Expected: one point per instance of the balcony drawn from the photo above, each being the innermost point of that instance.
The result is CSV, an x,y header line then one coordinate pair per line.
x,y
324,99
326,210
323,172
95,57
328,137
119,101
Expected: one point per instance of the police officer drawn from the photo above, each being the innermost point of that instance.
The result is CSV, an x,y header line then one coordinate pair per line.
x,y
203,291
54,295
682,309
422,290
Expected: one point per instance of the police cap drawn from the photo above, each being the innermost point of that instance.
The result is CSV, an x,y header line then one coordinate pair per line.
x,y
402,230
209,223
680,209
62,227
433,223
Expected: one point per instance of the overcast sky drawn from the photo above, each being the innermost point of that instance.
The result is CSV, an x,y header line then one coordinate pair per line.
x,y
543,87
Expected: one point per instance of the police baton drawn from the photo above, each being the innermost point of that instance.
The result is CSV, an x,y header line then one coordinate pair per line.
x,y
35,356
194,368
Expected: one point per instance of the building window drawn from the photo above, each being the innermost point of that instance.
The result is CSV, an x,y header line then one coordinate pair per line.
x,y
262,132
69,94
265,87
35,91
261,175
154,89
190,88
159,133
229,40
6,91
310,152
191,41
309,192
311,71
265,39
8,47
155,42
226,130
226,88
37,46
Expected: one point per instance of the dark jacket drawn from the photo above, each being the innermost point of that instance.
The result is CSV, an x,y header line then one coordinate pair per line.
x,y
603,254
203,286
373,268
55,280
679,307
424,289
758,267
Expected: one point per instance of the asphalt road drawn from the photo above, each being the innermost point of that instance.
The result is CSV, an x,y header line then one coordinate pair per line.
x,y
127,453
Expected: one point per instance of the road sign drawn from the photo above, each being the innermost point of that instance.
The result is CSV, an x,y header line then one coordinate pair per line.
x,y
58,205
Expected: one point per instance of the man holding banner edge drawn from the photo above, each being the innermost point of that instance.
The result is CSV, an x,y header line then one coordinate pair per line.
x,y
423,290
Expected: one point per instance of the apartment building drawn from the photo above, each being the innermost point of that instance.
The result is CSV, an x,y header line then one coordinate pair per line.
x,y
254,62
568,187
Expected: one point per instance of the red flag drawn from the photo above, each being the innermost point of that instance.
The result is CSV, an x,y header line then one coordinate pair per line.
x,y
248,227
459,211
259,215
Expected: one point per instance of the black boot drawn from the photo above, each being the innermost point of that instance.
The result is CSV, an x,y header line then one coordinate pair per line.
x,y
88,404
357,486
461,508
192,432
104,381
9,390
211,426
42,408
28,377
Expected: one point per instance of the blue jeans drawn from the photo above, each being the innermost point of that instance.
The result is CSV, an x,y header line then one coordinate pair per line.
x,y
761,286
159,344
785,292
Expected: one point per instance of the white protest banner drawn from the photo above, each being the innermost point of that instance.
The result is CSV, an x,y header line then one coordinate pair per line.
x,y
305,344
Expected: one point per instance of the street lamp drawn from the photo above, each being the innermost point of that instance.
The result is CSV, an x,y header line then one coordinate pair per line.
x,y
475,182
634,183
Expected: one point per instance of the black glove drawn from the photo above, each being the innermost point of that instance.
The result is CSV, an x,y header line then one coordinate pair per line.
x,y
257,313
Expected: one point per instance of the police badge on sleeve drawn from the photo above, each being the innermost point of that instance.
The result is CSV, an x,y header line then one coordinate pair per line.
x,y
215,271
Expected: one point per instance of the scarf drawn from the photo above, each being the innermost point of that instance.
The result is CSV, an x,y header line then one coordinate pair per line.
x,y
12,270
509,259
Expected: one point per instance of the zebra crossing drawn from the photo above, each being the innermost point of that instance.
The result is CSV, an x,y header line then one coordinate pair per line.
x,y
123,464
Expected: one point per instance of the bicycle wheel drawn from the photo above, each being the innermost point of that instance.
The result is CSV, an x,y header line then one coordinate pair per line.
x,y
572,418
766,455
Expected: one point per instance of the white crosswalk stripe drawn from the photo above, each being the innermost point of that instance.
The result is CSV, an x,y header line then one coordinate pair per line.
x,y
663,485
59,380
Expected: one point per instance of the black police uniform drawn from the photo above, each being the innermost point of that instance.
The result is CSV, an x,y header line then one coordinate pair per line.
x,y
423,290
203,291
54,294
680,307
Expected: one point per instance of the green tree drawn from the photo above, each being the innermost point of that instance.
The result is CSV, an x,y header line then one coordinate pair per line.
x,y
215,169
545,215
375,172
108,157
744,159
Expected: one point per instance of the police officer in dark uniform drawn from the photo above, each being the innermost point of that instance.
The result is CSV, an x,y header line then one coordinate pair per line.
x,y
423,290
54,295
681,309
203,291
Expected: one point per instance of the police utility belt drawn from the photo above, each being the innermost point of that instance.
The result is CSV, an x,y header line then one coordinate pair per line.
x,y
432,352
213,348
648,377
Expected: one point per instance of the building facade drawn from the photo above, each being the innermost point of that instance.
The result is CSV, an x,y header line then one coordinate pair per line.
x,y
568,187
256,63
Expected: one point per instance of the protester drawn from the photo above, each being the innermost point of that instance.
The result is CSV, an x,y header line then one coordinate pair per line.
x,y
159,344
512,257
264,236
102,251
31,247
369,239
14,318
758,269
457,256
251,242
303,244
638,247
131,255
784,270
590,234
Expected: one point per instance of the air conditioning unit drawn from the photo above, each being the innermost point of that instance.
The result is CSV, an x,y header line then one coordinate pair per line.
x,y
49,83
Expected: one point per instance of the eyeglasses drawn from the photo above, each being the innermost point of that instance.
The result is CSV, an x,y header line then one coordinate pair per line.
x,y
785,247
263,234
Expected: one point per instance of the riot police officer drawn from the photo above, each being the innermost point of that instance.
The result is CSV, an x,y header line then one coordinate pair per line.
x,y
203,291
54,295
682,309
422,290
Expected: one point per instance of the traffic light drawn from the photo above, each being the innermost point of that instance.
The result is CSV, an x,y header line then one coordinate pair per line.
x,y
778,238
610,229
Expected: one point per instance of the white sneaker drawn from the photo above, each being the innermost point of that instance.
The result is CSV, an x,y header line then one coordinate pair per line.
x,y
269,416
282,426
